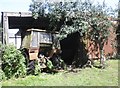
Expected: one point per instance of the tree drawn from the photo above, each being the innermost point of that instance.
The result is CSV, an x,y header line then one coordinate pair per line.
x,y
79,16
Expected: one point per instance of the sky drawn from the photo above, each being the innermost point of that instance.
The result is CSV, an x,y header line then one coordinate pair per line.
x,y
23,5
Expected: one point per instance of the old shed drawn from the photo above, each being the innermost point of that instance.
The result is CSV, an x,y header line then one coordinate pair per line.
x,y
14,24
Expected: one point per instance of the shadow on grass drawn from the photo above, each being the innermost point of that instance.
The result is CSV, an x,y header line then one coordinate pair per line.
x,y
100,67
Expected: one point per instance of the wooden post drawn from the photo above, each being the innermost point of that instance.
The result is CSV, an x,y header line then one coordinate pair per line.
x,y
5,28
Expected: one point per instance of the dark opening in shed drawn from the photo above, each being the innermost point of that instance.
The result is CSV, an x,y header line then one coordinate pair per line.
x,y
73,50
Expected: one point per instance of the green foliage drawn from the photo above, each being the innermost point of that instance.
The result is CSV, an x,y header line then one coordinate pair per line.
x,y
49,64
13,62
85,77
2,75
79,16
37,68
70,17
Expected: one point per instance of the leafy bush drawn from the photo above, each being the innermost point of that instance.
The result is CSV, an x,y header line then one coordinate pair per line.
x,y
37,68
13,62
2,75
49,64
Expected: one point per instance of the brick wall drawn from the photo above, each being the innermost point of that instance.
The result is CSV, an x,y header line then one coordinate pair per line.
x,y
109,47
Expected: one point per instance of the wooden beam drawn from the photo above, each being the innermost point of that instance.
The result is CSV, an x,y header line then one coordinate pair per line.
x,y
5,28
18,14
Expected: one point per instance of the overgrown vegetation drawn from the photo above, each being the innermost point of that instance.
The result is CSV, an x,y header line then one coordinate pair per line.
x,y
80,16
84,77
12,62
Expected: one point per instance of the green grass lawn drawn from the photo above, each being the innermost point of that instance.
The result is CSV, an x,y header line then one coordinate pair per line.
x,y
85,77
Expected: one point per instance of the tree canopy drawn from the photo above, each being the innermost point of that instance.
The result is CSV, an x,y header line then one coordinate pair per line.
x,y
70,17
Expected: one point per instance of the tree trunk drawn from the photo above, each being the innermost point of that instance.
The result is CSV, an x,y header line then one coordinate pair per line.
x,y
102,58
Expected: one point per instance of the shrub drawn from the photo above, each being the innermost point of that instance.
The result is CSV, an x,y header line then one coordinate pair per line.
x,y
37,68
13,62
49,64
2,75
